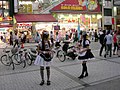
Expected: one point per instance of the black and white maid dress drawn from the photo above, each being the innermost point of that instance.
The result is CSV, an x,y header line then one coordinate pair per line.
x,y
86,54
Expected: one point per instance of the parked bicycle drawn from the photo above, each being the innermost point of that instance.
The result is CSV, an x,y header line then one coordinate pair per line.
x,y
6,59
19,58
63,53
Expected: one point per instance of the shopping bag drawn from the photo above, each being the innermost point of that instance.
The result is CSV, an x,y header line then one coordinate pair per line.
x,y
38,60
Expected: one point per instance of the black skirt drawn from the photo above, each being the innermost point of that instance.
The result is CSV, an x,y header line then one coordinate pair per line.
x,y
88,55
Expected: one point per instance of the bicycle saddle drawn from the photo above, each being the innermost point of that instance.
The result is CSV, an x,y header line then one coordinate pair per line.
x,y
33,50
20,52
7,51
25,50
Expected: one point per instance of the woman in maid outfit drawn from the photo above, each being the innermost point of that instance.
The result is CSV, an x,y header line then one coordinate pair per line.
x,y
84,54
43,51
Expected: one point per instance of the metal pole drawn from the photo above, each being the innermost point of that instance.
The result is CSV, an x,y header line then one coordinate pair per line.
x,y
103,15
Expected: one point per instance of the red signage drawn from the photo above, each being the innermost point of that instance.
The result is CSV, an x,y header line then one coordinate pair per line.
x,y
78,5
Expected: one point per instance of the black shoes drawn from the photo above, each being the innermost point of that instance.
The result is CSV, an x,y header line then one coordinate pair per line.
x,y
42,82
48,82
105,56
86,74
81,76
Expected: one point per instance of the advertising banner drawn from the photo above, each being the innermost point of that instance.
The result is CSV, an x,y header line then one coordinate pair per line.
x,y
15,6
116,2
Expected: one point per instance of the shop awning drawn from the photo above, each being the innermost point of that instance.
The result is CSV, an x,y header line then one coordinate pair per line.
x,y
3,26
35,18
78,6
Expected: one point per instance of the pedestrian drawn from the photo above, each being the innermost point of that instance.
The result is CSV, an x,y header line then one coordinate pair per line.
x,y
85,54
102,42
57,44
75,38
92,34
4,37
43,52
96,36
37,37
118,42
22,37
115,42
81,37
52,37
16,39
11,38
108,41
67,35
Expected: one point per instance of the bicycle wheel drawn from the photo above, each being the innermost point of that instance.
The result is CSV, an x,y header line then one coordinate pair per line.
x,y
61,55
16,59
28,60
23,64
13,66
5,61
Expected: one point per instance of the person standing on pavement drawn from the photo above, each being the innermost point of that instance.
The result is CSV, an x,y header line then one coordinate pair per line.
x,y
102,42
52,37
37,37
118,42
85,54
43,49
22,37
92,35
16,39
96,36
11,38
108,40
57,44
115,42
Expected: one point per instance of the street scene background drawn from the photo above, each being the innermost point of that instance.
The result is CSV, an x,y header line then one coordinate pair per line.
x,y
104,74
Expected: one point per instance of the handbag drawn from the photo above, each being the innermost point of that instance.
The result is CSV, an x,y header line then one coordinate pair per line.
x,y
38,60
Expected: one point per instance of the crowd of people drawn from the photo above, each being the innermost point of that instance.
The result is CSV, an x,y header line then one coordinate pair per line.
x,y
46,41
46,44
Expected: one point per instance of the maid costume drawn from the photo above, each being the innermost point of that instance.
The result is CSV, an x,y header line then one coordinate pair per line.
x,y
86,54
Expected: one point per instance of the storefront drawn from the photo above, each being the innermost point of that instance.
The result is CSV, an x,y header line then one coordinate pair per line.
x,y
32,23
5,20
70,13
118,19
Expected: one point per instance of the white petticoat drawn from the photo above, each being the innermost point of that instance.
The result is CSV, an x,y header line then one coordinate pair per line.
x,y
41,62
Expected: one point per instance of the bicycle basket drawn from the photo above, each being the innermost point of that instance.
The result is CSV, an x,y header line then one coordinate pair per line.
x,y
14,50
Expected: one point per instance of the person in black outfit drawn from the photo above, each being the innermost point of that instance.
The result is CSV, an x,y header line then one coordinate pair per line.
x,y
11,38
102,42
96,36
87,55
43,49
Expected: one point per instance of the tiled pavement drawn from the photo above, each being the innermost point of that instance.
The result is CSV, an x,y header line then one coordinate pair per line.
x,y
63,74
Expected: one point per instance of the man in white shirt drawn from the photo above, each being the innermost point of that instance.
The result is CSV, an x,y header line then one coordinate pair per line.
x,y
108,41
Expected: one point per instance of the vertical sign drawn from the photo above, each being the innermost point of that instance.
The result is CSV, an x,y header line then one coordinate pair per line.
x,y
29,8
15,6
24,8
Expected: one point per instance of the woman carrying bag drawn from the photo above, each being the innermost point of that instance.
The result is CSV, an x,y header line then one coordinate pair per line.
x,y
43,53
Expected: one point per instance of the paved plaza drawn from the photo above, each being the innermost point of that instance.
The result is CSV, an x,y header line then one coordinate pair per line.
x,y
104,74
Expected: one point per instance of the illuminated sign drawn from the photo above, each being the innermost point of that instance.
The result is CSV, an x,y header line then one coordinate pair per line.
x,y
81,5
24,25
25,8
69,7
